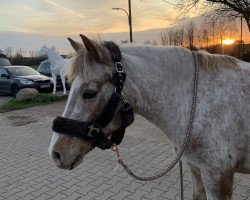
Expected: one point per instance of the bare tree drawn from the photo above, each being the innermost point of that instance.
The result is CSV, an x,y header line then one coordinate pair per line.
x,y
31,53
190,33
198,38
232,30
228,8
224,29
205,32
180,35
19,53
1,51
9,52
175,37
171,36
164,38
205,37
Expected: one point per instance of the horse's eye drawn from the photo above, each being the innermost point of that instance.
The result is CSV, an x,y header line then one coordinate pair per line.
x,y
89,94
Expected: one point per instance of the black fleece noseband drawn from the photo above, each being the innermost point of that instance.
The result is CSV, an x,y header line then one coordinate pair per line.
x,y
92,131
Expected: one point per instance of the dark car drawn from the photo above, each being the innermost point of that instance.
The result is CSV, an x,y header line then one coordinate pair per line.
x,y
44,69
14,78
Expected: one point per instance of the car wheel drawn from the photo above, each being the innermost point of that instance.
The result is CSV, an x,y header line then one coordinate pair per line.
x,y
14,90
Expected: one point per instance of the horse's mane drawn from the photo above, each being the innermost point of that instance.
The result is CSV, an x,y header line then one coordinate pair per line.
x,y
215,62
80,64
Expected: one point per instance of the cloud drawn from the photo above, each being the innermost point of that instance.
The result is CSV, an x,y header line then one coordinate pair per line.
x,y
180,21
64,8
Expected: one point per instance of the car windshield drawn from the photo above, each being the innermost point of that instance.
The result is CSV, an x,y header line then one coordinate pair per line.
x,y
22,71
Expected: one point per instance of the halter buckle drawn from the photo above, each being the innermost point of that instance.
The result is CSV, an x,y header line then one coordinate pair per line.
x,y
92,128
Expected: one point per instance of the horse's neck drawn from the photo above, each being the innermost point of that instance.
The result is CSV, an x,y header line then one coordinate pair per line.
x,y
157,83
52,56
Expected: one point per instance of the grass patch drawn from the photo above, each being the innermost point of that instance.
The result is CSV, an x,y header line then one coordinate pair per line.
x,y
40,99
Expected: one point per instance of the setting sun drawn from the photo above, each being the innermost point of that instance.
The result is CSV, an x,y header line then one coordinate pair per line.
x,y
228,41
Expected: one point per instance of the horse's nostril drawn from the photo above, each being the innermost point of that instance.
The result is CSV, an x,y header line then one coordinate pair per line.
x,y
65,161
56,155
78,158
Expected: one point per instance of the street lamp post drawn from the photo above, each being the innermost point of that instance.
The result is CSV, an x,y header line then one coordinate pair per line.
x,y
129,19
241,39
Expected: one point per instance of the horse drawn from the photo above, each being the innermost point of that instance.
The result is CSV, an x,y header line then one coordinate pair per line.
x,y
159,87
57,65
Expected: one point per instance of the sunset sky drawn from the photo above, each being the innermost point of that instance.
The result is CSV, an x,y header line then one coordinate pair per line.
x,y
69,17
29,24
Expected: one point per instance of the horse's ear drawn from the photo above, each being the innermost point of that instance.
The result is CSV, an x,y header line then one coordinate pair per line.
x,y
76,45
92,48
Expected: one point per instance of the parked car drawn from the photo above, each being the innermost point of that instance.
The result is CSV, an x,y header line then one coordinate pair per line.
x,y
44,69
14,78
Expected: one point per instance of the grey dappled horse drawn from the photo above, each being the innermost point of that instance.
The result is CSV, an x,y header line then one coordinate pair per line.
x,y
159,86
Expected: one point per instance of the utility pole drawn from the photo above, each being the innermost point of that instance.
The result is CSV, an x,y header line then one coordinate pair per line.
x,y
130,21
129,14
241,41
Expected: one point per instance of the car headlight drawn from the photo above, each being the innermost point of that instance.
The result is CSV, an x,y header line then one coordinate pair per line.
x,y
26,82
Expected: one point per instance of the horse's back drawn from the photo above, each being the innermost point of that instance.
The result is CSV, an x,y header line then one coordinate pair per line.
x,y
245,80
223,114
232,92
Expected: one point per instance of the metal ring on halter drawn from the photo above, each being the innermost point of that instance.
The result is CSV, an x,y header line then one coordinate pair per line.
x,y
118,67
121,93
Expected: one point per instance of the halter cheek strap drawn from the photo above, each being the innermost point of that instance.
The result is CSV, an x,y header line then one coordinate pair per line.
x,y
92,131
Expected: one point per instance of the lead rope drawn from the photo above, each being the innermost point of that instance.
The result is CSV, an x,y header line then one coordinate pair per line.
x,y
181,180
186,141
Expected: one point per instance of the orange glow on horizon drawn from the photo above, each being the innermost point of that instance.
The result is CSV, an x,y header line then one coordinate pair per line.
x,y
228,41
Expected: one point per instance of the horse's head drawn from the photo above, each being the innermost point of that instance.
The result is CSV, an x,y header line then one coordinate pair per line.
x,y
42,51
91,72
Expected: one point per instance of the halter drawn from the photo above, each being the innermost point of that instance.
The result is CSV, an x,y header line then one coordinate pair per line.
x,y
92,131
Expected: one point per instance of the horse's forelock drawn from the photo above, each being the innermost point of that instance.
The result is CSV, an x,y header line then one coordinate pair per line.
x,y
81,64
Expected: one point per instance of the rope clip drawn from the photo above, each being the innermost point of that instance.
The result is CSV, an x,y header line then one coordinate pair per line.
x,y
116,151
